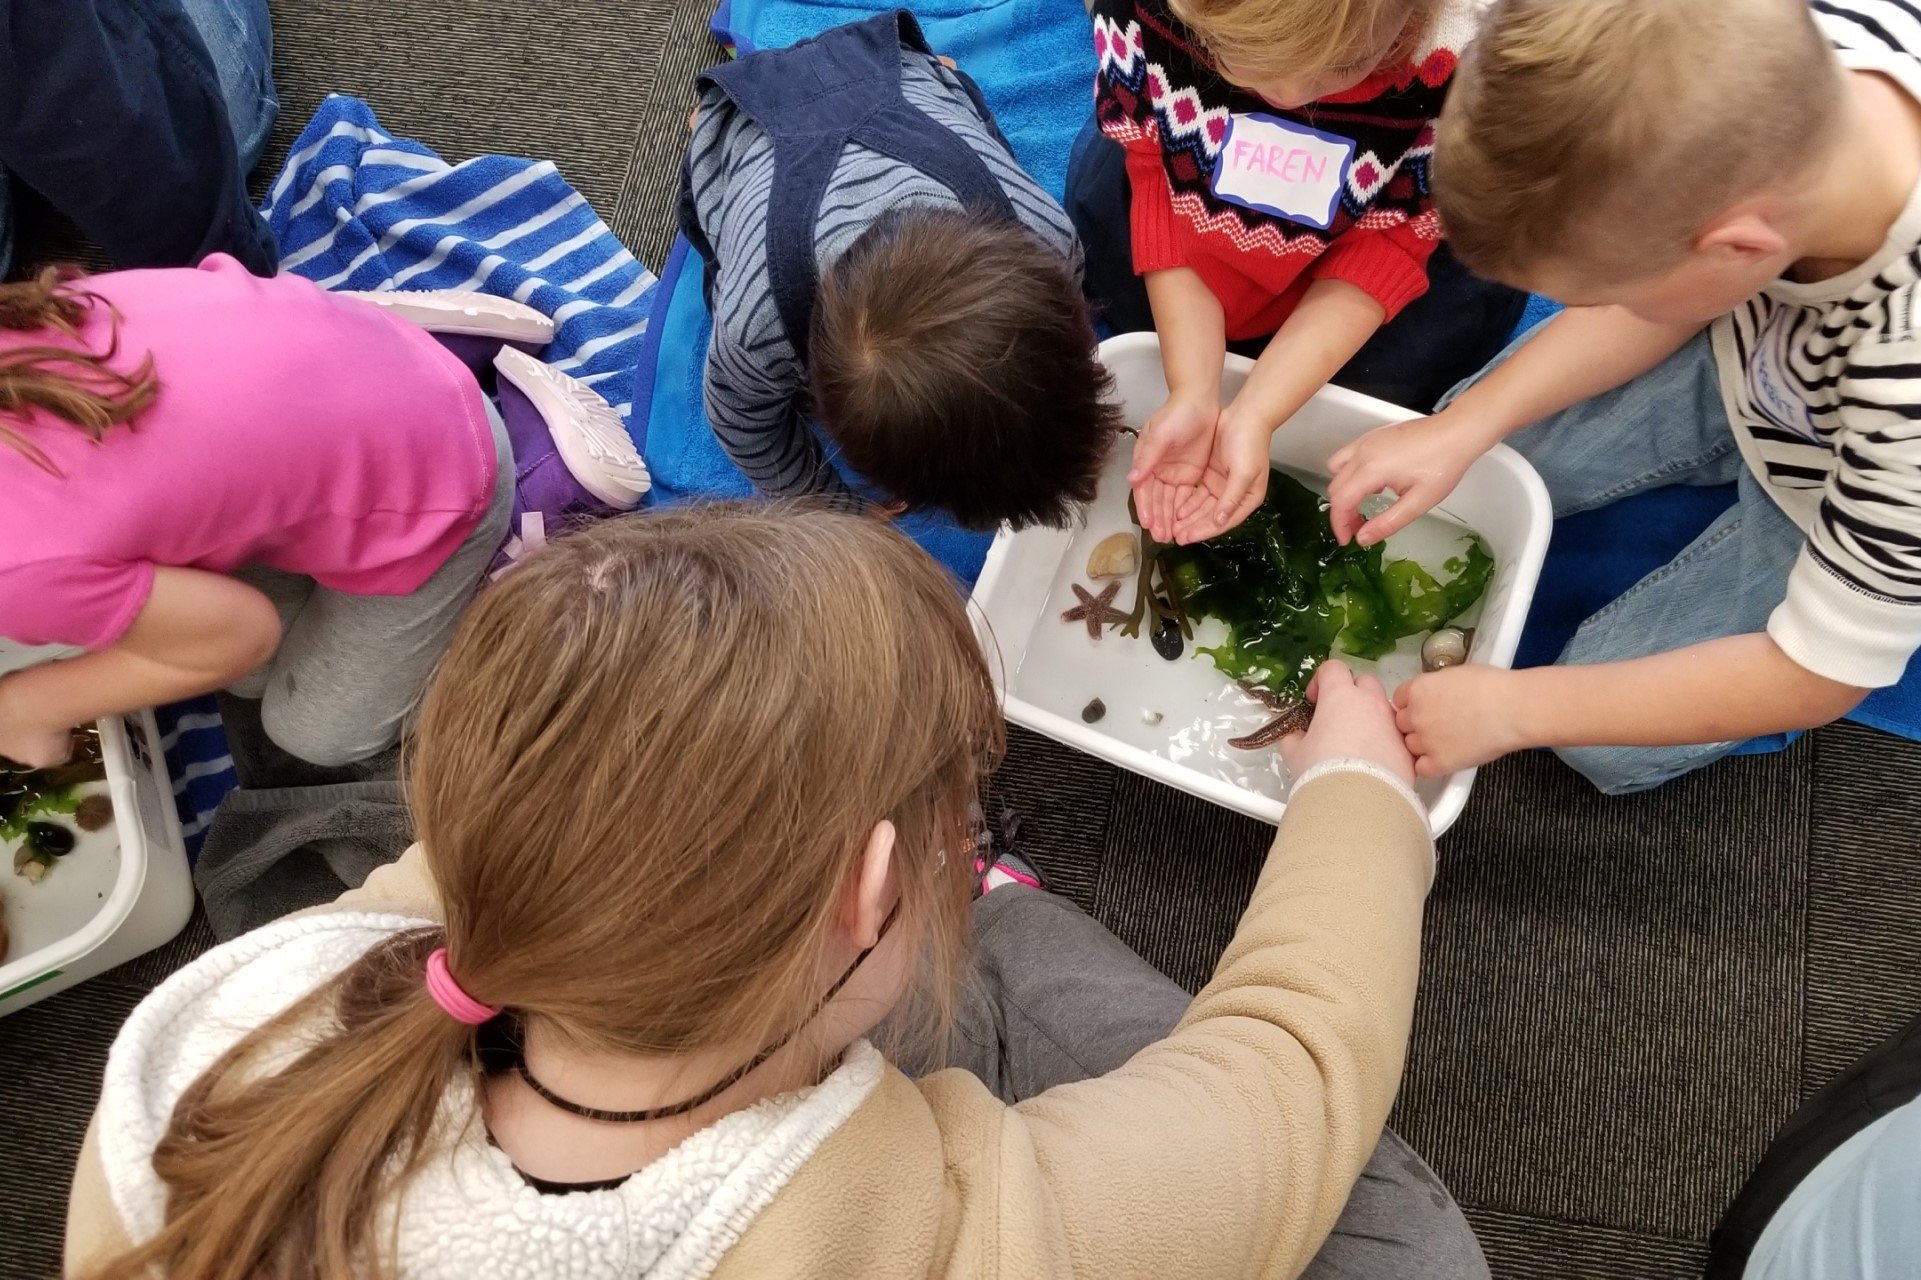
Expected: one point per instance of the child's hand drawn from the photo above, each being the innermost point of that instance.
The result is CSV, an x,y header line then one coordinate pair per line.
x,y
1352,721
34,746
1421,461
1459,718
1235,481
1170,458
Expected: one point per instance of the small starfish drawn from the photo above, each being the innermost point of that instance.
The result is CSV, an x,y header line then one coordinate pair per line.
x,y
1289,717
1096,611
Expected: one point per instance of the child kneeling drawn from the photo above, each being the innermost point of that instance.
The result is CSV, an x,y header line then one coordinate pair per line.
x,y
1728,196
215,481
696,801
877,260
1260,167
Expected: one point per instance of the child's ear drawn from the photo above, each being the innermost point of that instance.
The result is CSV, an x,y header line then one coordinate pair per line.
x,y
870,890
1745,235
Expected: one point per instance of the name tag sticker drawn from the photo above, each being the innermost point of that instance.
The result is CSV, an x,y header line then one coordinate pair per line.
x,y
1282,168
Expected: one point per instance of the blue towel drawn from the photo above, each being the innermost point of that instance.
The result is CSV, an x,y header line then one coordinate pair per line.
x,y
1033,59
195,748
356,208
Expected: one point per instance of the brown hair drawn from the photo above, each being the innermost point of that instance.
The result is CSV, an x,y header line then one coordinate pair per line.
x,y
646,766
1605,134
952,359
78,387
1300,37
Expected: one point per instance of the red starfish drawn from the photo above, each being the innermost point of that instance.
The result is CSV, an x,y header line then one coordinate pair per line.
x,y
1096,611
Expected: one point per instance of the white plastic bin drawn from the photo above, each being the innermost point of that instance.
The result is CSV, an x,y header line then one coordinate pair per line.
x,y
1501,498
122,892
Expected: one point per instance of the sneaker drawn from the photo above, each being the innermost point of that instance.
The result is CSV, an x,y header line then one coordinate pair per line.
x,y
473,326
1000,862
573,458
462,311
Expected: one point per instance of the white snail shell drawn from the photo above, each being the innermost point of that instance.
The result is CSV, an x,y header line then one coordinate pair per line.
x,y
1446,647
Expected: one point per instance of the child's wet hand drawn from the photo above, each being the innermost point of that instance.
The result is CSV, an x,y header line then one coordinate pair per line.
x,y
1421,461
35,746
1459,718
1170,459
1353,720
1234,484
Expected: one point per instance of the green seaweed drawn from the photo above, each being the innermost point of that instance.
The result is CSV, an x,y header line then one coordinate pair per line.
x,y
29,794
1290,594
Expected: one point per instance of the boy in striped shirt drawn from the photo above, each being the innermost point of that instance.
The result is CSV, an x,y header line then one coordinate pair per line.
x,y
1727,193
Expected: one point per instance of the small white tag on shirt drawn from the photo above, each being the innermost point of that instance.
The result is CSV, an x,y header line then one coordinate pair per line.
x,y
1282,168
1768,380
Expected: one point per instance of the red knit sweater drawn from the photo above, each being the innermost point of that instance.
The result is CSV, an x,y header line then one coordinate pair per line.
x,y
1159,98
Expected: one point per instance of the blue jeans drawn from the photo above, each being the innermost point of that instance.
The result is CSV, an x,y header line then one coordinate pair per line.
x,y
139,120
1667,426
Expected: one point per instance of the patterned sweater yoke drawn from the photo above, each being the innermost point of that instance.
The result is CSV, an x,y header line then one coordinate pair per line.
x,y
1159,97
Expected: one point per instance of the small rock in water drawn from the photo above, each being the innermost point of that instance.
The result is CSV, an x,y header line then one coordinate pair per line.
x,y
49,838
1167,638
30,863
94,813
1093,711
1150,717
1446,647
1114,557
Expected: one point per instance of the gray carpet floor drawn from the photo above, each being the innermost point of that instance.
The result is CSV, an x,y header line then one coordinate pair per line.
x,y
1622,998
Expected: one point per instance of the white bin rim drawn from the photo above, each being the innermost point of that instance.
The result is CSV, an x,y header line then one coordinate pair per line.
x,y
42,964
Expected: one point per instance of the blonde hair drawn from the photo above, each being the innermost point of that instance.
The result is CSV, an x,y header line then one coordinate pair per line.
x,y
1606,134
645,770
1297,37
75,386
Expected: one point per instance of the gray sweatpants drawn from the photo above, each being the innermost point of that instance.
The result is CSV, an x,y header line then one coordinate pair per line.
x,y
1055,998
350,668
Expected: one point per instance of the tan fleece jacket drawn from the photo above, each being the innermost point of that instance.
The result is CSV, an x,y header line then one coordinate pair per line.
x,y
1228,1149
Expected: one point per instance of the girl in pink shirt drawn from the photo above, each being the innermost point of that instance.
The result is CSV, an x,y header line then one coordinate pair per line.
x,y
210,480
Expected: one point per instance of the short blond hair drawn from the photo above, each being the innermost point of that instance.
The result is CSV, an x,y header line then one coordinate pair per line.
x,y
1603,135
1294,37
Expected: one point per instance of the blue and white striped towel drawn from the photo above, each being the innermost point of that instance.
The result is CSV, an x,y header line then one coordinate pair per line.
x,y
356,208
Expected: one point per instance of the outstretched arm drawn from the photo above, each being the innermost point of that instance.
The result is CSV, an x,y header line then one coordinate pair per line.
x,y
198,632
1232,1145
1577,355
1729,689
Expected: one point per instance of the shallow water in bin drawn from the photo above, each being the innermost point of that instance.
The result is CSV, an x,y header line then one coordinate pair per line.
x,y
73,890
1062,669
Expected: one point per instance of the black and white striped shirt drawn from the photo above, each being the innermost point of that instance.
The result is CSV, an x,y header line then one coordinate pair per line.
x,y
755,381
1823,385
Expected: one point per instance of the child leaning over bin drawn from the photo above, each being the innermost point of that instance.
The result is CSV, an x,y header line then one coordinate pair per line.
x,y
1728,195
211,480
697,803
1260,167
877,260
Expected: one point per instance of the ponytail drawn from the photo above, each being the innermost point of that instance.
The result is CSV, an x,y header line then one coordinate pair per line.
x,y
319,1144
79,387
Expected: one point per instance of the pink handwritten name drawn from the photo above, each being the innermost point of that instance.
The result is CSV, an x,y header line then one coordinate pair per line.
x,y
1289,164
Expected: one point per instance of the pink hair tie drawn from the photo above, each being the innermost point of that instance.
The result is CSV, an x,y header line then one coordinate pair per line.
x,y
447,993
